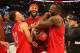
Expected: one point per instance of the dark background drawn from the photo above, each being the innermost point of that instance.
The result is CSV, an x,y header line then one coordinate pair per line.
x,y
67,7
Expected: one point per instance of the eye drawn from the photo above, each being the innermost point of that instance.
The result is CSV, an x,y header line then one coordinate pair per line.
x,y
32,7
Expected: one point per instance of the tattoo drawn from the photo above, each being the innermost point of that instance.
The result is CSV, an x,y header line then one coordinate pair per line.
x,y
57,21
54,20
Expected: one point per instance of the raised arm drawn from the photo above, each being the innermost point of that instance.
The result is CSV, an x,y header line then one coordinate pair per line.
x,y
45,16
54,20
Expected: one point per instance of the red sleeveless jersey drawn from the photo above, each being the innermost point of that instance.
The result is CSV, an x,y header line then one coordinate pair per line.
x,y
23,44
41,36
3,49
56,39
31,20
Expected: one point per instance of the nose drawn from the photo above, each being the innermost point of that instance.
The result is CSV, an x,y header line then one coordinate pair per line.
x,y
49,10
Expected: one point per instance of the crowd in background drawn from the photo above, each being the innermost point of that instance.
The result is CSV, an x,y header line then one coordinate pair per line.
x,y
71,36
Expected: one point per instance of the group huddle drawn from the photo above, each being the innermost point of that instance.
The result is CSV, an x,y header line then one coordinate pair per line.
x,y
38,34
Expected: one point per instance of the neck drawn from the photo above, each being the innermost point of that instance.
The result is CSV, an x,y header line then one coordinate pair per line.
x,y
32,16
18,21
53,14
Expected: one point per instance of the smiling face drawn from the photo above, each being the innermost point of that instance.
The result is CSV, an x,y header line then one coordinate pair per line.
x,y
53,9
33,9
19,16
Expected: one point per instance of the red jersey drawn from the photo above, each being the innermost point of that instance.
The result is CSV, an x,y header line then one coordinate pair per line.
x,y
3,49
31,20
42,46
23,44
56,39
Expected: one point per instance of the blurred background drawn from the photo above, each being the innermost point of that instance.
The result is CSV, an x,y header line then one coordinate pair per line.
x,y
68,7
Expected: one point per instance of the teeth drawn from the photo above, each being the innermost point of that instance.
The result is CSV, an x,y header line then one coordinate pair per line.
x,y
34,12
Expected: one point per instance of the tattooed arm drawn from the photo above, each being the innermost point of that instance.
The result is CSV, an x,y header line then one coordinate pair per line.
x,y
54,20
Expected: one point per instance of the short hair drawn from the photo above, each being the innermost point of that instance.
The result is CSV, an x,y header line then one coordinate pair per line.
x,y
58,7
34,4
12,15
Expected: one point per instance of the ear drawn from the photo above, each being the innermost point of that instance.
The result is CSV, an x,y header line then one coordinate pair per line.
x,y
29,10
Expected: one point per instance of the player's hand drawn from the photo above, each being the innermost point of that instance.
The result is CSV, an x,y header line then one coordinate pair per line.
x,y
47,14
6,44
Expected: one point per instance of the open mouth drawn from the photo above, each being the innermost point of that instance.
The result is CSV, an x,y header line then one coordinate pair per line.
x,y
33,12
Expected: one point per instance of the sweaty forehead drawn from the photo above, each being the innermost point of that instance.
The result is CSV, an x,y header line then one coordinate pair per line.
x,y
33,6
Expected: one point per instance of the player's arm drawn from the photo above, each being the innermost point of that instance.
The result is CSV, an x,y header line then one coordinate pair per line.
x,y
45,16
54,20
26,31
15,37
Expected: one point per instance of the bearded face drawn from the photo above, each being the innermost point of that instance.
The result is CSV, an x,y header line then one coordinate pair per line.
x,y
53,9
33,10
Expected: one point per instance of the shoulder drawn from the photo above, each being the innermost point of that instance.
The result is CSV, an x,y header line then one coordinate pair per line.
x,y
28,19
57,17
23,24
38,17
